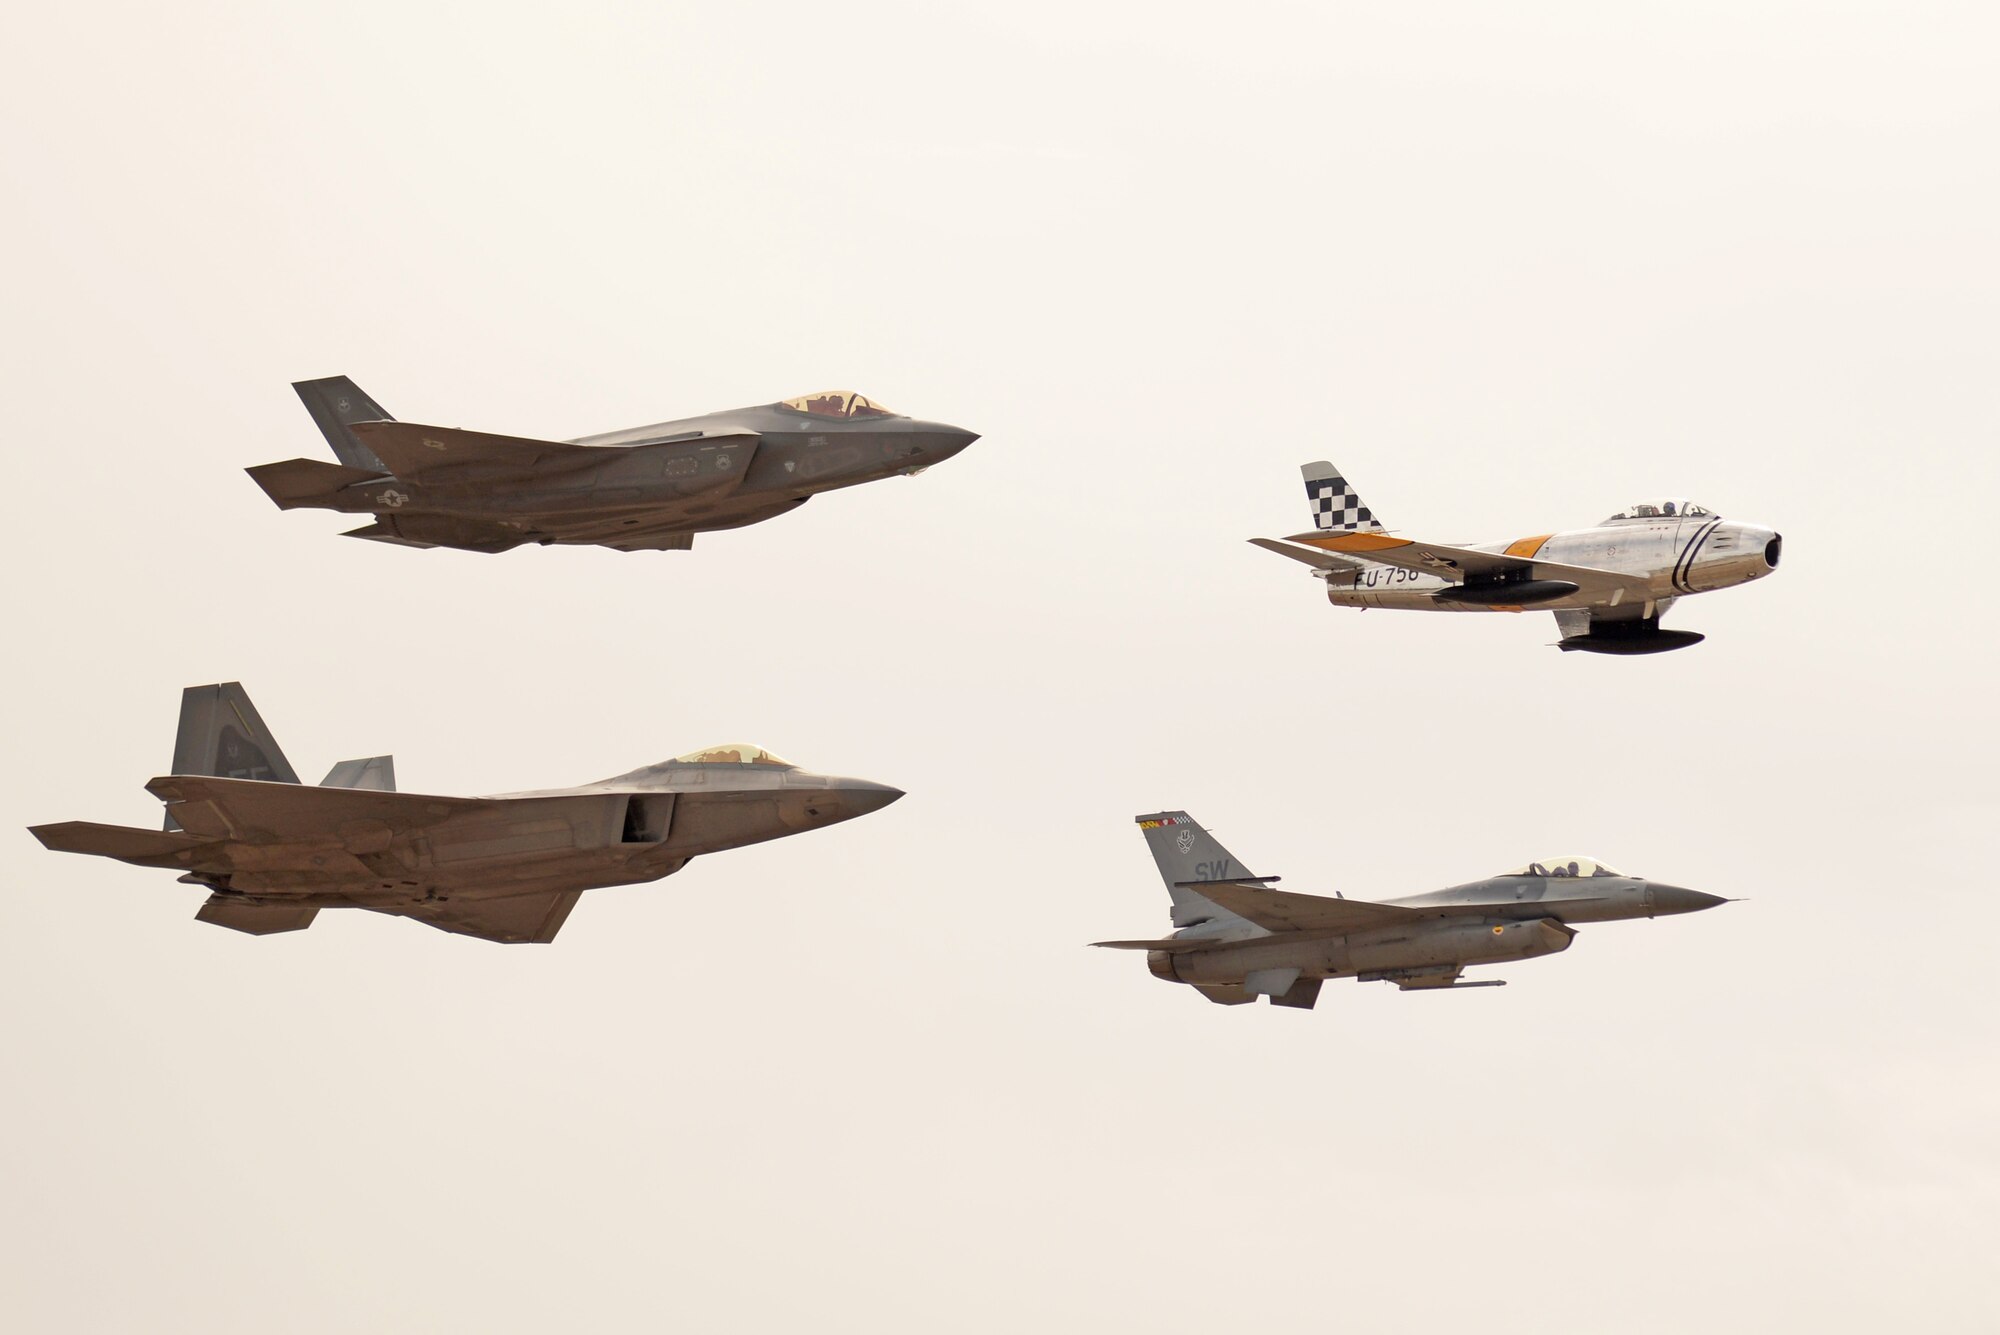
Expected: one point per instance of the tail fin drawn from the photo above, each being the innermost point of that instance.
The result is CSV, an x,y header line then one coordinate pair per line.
x,y
1335,507
222,735
1185,852
335,404
376,773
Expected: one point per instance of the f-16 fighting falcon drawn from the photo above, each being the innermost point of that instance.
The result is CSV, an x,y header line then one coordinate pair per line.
x,y
273,852
1238,939
649,488
1607,585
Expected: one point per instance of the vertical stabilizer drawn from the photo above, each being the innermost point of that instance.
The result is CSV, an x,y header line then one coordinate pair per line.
x,y
222,735
335,404
376,773
1186,852
1336,508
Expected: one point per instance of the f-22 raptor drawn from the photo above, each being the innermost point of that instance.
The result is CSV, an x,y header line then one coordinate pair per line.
x,y
273,852
1608,585
648,488
1239,939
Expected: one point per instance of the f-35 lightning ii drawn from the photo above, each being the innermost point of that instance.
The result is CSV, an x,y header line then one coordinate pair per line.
x,y
273,852
649,488
1239,939
1607,585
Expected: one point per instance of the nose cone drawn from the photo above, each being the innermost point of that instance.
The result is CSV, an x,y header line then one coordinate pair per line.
x,y
1675,899
859,796
940,441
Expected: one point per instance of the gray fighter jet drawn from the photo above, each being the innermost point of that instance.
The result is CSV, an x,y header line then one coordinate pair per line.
x,y
649,488
273,852
1238,939
1608,585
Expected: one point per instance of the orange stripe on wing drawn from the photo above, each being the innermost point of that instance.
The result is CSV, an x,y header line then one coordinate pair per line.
x,y
1527,546
1351,542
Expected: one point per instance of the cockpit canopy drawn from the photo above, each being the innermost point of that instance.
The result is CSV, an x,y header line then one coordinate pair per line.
x,y
836,403
733,753
1676,507
1563,867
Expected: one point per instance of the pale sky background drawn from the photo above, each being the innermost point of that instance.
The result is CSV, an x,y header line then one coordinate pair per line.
x,y
1511,269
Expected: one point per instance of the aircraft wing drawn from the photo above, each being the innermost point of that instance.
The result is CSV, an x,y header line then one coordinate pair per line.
x,y
1288,911
254,810
1468,566
1318,560
514,919
417,452
679,536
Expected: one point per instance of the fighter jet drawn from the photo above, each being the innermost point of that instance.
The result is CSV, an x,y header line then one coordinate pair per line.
x,y
649,488
273,852
1239,939
1608,585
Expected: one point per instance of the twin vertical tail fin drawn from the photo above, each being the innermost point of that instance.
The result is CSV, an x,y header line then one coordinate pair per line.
x,y
1185,853
336,404
1336,508
221,734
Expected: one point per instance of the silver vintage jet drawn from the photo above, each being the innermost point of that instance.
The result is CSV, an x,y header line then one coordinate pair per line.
x,y
1608,585
273,852
649,488
1238,939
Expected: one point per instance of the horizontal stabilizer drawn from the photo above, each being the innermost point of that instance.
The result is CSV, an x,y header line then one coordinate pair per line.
x,y
113,841
1171,945
1318,560
376,774
257,919
300,482
415,452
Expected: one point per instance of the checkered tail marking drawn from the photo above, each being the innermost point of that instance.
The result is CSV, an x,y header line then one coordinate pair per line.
x,y
1335,507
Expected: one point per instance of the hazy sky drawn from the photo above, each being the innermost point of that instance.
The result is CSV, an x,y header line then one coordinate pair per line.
x,y
1511,266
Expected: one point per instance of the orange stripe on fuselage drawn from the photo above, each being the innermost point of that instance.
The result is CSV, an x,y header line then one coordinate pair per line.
x,y
1527,546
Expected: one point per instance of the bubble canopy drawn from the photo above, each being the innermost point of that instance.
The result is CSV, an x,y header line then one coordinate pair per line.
x,y
836,403
1563,867
1673,507
732,753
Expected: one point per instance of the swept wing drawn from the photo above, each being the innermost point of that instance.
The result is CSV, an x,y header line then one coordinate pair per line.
x,y
414,451
1288,911
516,918
1466,566
255,810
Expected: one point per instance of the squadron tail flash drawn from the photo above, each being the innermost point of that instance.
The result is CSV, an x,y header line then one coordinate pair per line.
x,y
1336,508
222,735
1187,854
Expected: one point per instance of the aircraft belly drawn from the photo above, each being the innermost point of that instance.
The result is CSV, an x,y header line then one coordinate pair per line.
x,y
1417,946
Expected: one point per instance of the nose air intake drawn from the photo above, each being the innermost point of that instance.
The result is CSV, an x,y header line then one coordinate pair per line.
x,y
1772,549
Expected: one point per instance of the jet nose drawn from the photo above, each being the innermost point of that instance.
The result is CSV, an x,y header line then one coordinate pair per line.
x,y
860,796
1676,899
941,441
